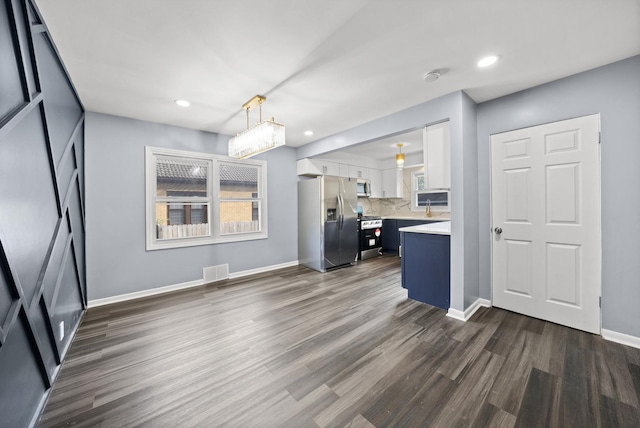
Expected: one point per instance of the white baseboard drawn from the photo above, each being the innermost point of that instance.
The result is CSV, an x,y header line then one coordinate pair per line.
x,y
144,293
468,313
166,289
624,339
262,269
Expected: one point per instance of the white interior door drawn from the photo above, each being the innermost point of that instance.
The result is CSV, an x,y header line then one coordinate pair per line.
x,y
546,222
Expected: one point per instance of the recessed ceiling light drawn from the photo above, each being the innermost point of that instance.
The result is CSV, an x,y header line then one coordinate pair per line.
x,y
308,133
182,103
488,60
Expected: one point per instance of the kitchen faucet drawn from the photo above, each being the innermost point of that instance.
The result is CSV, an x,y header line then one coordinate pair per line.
x,y
428,207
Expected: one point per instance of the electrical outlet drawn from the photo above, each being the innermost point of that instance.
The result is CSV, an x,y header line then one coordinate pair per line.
x,y
61,330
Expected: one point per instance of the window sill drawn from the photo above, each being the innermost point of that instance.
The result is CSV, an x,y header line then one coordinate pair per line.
x,y
194,242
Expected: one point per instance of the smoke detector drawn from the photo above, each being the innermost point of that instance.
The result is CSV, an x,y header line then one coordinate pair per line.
x,y
431,76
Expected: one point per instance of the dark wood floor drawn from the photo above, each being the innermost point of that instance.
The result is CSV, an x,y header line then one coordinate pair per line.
x,y
297,348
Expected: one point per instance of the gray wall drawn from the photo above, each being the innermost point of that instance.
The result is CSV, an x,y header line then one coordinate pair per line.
x,y
41,213
614,92
117,262
459,109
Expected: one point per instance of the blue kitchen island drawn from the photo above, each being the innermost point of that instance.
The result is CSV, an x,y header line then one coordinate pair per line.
x,y
426,267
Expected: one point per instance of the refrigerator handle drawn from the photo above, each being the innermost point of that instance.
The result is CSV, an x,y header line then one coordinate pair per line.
x,y
340,211
342,214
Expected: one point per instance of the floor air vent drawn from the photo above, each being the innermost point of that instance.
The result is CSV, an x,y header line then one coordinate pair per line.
x,y
215,273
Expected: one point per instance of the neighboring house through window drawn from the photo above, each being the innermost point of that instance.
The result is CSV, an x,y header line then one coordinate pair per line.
x,y
198,199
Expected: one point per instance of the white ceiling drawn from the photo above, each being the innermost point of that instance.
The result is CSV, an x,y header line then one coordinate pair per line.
x,y
381,150
324,65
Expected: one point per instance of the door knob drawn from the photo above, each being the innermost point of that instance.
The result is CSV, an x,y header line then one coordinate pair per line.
x,y
498,230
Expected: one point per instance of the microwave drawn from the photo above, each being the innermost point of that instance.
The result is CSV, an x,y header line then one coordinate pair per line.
x,y
437,199
364,188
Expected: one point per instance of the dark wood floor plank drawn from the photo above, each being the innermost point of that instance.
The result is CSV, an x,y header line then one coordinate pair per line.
x,y
538,408
491,416
577,396
298,348
474,386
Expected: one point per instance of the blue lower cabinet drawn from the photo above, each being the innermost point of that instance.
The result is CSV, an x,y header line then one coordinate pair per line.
x,y
426,267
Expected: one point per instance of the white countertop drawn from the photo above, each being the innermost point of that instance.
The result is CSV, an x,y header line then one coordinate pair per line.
x,y
439,228
422,217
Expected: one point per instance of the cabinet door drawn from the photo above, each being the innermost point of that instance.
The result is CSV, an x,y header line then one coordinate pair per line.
x,y
316,167
375,176
437,156
392,183
344,170
390,235
426,271
327,168
358,172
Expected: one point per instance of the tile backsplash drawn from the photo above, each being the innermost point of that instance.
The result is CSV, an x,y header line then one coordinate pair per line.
x,y
400,207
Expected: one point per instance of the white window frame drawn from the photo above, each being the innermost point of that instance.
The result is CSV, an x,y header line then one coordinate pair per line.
x,y
415,192
213,199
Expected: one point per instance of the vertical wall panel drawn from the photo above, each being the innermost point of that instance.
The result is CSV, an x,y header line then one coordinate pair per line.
x,y
65,173
29,209
68,306
40,320
55,261
11,92
6,299
78,146
22,382
61,105
42,240
19,11
77,227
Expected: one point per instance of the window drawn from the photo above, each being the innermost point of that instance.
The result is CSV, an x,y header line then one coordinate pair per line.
x,y
417,186
198,199
421,197
239,201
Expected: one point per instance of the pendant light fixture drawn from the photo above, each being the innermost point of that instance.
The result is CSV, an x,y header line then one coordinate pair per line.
x,y
400,156
261,137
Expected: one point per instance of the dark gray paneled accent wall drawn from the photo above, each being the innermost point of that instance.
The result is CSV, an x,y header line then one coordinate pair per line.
x,y
117,262
613,91
42,279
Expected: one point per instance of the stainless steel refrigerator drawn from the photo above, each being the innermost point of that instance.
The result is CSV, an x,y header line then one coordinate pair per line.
x,y
327,222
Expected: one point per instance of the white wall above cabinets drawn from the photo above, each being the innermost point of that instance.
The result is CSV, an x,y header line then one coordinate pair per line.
x,y
392,185
437,156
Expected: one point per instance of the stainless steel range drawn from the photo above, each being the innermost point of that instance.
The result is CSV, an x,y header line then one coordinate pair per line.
x,y
369,237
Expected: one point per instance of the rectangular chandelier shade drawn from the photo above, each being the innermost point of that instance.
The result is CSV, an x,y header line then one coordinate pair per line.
x,y
263,136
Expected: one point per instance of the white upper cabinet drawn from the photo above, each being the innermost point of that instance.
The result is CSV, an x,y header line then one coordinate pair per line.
x,y
392,186
358,172
437,156
315,167
375,177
